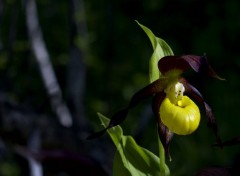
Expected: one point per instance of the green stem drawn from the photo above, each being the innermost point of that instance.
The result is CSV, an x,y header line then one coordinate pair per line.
x,y
164,170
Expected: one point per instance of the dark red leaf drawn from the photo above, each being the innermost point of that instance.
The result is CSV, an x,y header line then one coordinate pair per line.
x,y
198,63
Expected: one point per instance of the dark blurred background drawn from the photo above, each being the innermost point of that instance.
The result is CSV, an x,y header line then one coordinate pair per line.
x,y
99,57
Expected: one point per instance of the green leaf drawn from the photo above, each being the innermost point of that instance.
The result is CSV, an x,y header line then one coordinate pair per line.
x,y
130,158
154,72
118,166
160,49
164,170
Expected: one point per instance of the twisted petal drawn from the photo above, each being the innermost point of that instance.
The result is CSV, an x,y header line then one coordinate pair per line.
x,y
198,63
164,133
119,117
211,121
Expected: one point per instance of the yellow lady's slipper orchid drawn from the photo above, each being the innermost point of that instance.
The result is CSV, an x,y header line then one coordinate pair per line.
x,y
175,112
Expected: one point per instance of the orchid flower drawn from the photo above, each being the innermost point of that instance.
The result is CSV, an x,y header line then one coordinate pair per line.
x,y
175,112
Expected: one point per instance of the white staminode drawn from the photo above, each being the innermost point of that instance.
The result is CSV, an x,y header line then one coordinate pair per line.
x,y
179,90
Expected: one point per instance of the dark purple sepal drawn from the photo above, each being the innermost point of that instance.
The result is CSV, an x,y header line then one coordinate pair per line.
x,y
120,116
165,136
196,95
198,63
164,133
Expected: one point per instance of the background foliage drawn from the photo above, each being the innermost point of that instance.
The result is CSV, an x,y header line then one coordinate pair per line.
x,y
115,53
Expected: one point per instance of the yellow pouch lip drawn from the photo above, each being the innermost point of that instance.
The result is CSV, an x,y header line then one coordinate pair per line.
x,y
183,118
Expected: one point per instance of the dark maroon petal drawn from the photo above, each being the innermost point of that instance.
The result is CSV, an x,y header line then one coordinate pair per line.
x,y
211,122
207,69
151,89
195,94
164,133
120,116
198,63
165,136
169,63
156,103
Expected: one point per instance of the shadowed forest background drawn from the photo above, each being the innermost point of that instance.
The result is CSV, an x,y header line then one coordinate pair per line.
x,y
95,57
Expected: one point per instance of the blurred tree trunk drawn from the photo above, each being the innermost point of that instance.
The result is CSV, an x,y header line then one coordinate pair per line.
x,y
34,144
76,73
45,66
